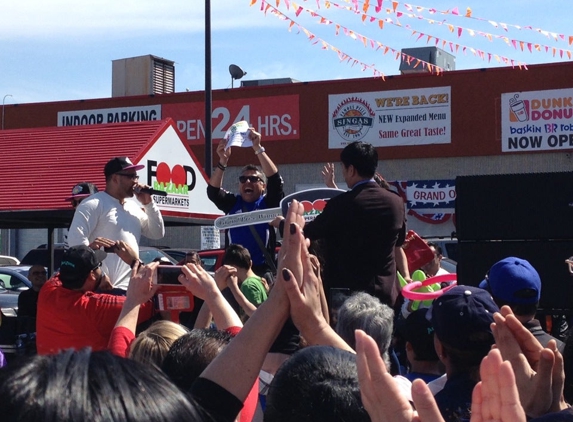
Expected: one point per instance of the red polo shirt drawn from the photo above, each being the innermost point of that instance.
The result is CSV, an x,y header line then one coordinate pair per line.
x,y
70,319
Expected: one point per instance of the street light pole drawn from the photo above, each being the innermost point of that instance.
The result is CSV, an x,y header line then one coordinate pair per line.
x,y
208,93
3,101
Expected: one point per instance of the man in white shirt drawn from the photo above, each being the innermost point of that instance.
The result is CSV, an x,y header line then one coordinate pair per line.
x,y
110,216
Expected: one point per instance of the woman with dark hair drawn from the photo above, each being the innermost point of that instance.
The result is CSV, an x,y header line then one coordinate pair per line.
x,y
95,386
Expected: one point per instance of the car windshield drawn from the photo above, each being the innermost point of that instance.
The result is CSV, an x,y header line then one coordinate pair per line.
x,y
148,255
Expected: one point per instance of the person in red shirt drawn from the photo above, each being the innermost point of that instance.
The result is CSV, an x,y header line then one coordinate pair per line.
x,y
71,315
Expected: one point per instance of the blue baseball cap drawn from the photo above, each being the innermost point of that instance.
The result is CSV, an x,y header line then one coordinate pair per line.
x,y
514,281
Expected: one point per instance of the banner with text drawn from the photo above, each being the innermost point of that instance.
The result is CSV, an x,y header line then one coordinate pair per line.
x,y
276,118
537,120
109,115
391,118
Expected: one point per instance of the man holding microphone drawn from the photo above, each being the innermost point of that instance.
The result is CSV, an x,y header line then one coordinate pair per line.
x,y
108,217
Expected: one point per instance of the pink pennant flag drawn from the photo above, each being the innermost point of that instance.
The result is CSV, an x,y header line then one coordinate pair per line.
x,y
408,7
379,6
514,44
455,11
355,3
529,47
420,36
298,10
459,31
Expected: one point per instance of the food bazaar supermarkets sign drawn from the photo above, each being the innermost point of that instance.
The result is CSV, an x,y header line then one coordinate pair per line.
x,y
391,118
537,120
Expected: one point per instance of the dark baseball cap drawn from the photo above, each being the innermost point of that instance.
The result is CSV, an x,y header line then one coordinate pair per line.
x,y
118,164
513,280
462,317
82,190
77,262
417,330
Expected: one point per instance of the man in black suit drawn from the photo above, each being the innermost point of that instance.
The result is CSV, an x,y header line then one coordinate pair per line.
x,y
360,229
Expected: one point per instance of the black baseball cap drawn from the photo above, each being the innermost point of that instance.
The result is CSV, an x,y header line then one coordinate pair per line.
x,y
118,164
77,262
462,317
82,190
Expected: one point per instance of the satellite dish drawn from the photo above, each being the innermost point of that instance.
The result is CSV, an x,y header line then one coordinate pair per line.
x,y
236,73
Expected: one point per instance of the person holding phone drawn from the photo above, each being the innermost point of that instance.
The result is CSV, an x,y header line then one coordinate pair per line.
x,y
71,315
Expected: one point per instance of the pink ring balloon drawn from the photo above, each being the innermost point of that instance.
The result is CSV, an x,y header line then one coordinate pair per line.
x,y
409,294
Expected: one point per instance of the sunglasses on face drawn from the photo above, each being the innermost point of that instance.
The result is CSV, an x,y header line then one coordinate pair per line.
x,y
129,175
252,179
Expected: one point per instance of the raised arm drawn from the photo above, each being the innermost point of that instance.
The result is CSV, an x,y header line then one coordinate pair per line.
x,y
224,154
227,275
140,290
328,175
269,168
201,284
236,368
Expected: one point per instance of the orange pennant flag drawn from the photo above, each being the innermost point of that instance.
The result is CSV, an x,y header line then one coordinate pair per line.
x,y
394,6
253,2
381,23
468,13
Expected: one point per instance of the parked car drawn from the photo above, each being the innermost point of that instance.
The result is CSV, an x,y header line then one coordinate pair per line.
x,y
40,255
212,258
13,280
8,260
148,254
177,254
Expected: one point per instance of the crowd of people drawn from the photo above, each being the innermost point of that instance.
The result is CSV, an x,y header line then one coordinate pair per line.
x,y
320,334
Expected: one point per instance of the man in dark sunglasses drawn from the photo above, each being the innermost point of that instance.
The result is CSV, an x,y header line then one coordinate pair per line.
x,y
259,239
108,218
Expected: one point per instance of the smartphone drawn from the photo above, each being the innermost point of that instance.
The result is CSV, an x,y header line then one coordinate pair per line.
x,y
168,275
110,249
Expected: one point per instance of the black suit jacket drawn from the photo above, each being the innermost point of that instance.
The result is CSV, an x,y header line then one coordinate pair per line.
x,y
360,229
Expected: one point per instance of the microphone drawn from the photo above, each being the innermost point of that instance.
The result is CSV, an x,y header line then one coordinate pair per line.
x,y
149,191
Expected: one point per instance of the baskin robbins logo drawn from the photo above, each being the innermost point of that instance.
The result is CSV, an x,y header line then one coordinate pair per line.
x,y
353,118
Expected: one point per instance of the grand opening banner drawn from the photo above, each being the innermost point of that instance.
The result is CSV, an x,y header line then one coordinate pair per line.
x,y
391,118
537,120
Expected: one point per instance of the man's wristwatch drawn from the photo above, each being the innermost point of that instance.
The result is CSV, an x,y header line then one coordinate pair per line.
x,y
141,263
260,151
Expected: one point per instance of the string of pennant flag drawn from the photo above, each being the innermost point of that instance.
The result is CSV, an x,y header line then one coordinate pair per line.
x,y
363,8
459,30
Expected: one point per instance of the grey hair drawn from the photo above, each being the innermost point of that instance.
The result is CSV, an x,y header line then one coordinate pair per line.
x,y
362,311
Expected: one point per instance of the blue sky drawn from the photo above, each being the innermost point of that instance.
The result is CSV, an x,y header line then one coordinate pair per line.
x,y
62,49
